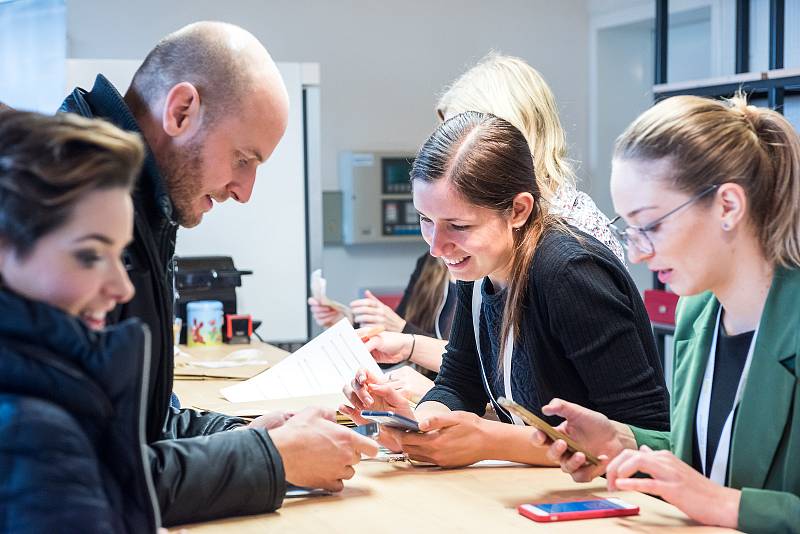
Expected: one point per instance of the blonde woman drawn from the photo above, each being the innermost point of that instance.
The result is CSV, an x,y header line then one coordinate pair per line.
x,y
711,193
509,88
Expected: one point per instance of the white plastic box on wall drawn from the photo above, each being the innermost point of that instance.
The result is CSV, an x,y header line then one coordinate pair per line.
x,y
376,198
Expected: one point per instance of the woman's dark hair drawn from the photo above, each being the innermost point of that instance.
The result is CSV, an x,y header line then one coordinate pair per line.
x,y
489,163
49,163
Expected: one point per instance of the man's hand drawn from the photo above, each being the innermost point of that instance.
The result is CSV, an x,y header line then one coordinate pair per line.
x,y
318,453
270,421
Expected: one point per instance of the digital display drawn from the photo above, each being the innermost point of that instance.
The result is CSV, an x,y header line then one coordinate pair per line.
x,y
577,506
396,173
400,217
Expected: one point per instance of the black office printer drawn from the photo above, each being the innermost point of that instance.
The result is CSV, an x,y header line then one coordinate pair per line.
x,y
206,278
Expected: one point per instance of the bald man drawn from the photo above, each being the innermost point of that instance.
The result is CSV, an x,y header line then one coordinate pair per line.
x,y
211,106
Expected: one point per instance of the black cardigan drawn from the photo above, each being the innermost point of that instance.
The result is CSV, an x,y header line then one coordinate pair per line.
x,y
585,338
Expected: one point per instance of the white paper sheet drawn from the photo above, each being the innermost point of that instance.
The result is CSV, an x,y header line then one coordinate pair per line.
x,y
323,365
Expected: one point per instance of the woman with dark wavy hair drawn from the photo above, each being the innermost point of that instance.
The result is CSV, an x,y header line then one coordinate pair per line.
x,y
543,309
71,391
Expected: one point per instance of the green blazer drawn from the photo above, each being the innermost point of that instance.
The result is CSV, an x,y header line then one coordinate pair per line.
x,y
765,445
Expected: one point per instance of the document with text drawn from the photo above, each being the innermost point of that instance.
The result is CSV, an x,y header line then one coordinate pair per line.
x,y
323,365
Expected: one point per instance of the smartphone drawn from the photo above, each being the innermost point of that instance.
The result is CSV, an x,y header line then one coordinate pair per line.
x,y
547,512
391,420
551,432
370,430
294,492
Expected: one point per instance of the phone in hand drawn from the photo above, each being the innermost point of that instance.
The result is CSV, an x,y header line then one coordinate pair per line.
x,y
390,419
542,425
547,512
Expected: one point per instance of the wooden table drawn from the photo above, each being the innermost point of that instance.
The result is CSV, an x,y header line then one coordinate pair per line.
x,y
400,498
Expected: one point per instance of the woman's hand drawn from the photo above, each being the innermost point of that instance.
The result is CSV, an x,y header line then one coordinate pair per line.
x,y
410,383
592,430
388,347
370,311
369,392
677,483
451,439
325,316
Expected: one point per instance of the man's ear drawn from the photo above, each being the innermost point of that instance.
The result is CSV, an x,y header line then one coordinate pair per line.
x,y
182,112
521,209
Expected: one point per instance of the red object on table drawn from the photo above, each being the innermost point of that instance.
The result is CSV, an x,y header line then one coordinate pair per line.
x,y
661,305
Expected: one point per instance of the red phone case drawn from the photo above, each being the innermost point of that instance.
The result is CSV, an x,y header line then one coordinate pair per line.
x,y
570,516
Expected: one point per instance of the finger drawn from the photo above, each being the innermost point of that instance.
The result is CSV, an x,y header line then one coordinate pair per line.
x,y
361,391
369,318
556,450
613,466
645,485
327,413
421,457
437,422
390,395
334,486
370,296
364,445
353,414
348,473
363,303
588,473
372,343
564,409
574,462
312,301
539,438
623,466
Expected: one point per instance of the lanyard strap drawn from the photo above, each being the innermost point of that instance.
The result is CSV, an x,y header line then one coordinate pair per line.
x,y
719,464
477,301
438,317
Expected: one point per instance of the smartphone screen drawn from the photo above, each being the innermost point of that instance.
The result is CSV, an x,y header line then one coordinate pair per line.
x,y
578,506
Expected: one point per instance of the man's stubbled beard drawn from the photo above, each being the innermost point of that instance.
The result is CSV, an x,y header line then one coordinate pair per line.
x,y
183,174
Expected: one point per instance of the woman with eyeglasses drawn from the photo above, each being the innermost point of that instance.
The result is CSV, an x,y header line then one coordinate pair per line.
x,y
543,310
711,190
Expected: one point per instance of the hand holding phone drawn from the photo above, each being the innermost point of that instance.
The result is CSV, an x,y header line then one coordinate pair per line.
x,y
548,512
391,420
542,425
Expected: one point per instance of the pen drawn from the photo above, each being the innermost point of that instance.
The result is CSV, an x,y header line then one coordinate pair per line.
x,y
372,332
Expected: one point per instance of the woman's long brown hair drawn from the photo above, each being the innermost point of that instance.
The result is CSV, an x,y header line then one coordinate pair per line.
x,y
489,163
426,295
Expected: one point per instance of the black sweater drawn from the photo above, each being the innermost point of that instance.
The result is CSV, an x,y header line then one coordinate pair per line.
x,y
584,337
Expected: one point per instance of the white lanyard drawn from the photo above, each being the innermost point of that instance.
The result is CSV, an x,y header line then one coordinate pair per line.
x,y
719,465
438,316
477,300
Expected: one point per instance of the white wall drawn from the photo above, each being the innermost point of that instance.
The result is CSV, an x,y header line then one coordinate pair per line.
x,y
382,63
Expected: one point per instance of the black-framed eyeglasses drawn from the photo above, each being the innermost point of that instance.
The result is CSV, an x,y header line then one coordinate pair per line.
x,y
638,235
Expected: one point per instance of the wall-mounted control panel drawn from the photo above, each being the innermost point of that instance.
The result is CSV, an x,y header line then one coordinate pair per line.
x,y
376,198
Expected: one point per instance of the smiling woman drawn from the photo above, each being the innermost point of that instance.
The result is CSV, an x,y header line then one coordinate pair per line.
x,y
543,309
717,185
68,389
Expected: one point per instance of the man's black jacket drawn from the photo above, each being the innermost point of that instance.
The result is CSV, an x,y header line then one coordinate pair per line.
x,y
200,470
